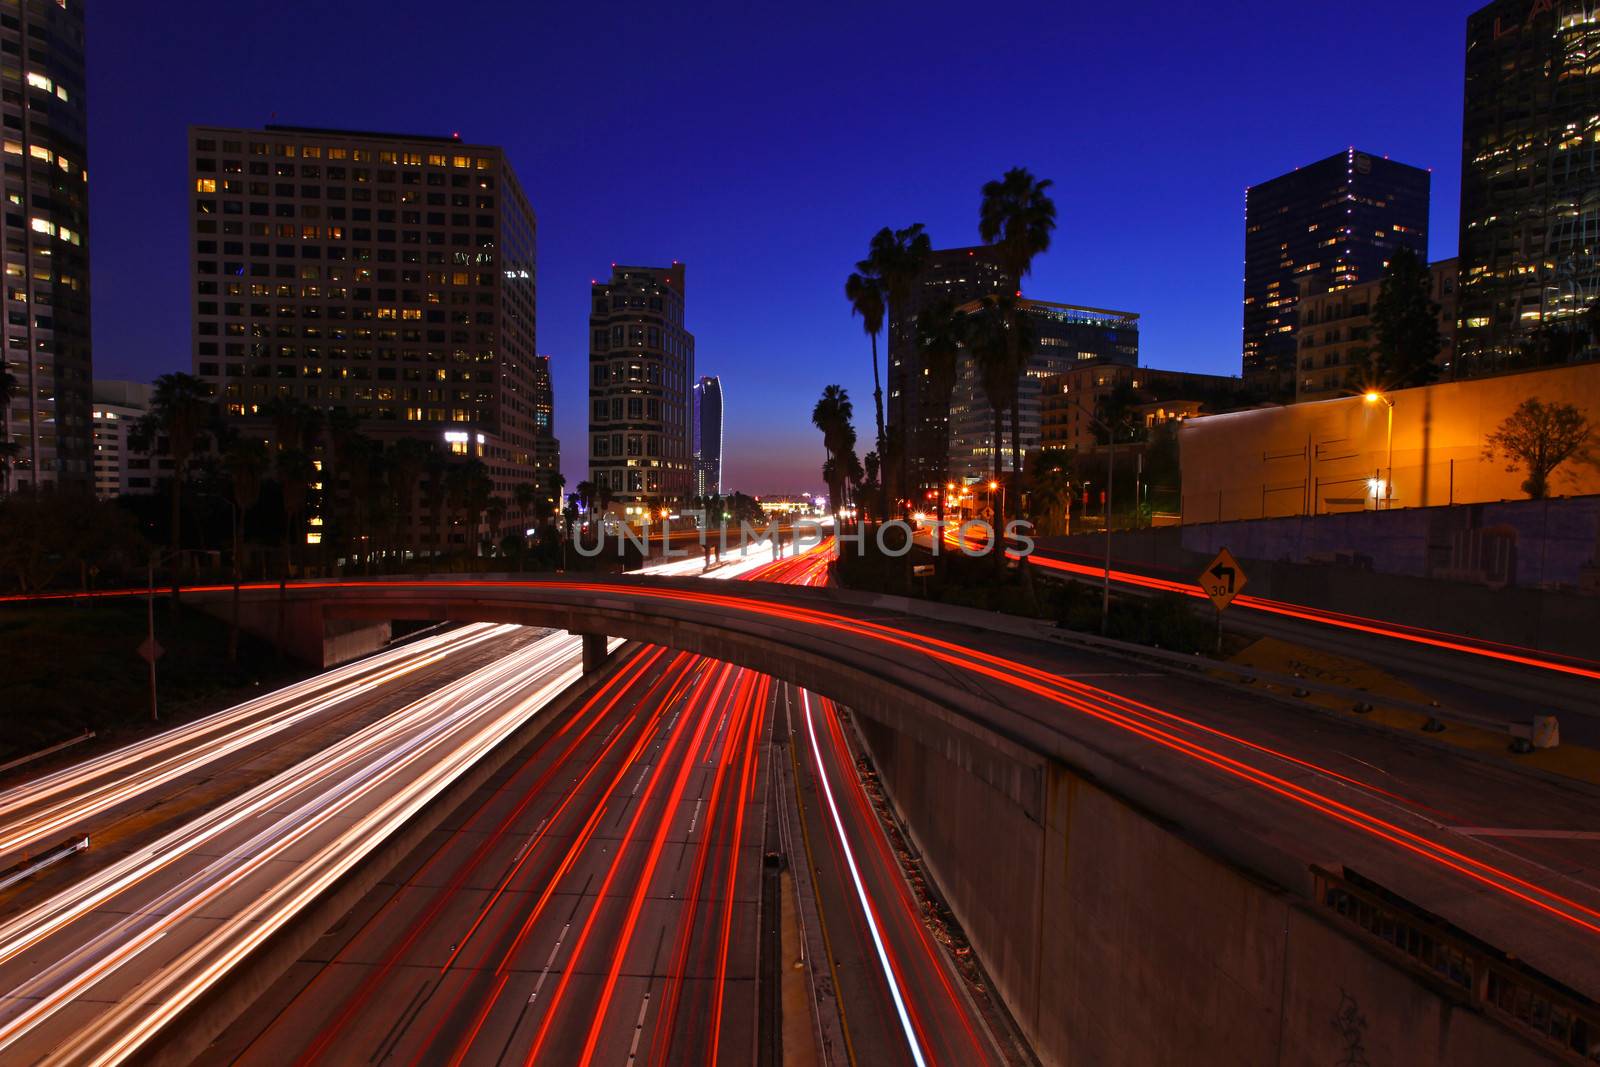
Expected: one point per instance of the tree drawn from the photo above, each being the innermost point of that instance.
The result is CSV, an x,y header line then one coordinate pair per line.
x,y
179,405
1405,321
1050,490
469,488
832,414
1017,217
245,460
1538,438
46,533
496,508
897,258
989,336
940,329
438,469
408,459
865,293
8,447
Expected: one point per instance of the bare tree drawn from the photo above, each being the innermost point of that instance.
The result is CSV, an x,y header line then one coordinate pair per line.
x,y
1538,438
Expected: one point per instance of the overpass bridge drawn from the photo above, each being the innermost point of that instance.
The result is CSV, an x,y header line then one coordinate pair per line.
x,y
1153,867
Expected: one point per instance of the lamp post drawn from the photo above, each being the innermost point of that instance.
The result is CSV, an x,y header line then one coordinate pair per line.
x,y
1111,471
1373,396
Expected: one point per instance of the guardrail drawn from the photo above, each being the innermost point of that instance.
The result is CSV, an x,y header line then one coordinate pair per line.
x,y
22,869
1541,1008
43,752
1540,731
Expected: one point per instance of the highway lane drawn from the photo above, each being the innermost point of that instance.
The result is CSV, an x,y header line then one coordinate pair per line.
x,y
599,901
90,796
94,970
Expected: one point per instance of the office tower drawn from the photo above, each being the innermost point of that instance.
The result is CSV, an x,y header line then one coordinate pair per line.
x,y
1065,337
960,274
385,274
1344,216
546,447
1530,186
47,244
641,373
119,467
708,437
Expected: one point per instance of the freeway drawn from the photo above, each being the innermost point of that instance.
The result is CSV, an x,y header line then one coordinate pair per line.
x,y
96,796
95,970
600,900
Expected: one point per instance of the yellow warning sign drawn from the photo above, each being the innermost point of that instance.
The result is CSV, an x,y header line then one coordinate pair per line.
x,y
1223,579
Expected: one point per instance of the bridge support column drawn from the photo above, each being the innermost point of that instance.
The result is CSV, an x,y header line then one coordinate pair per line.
x,y
594,652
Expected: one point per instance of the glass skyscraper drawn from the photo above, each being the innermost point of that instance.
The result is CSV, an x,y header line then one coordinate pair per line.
x,y
708,437
1530,184
1342,217
47,243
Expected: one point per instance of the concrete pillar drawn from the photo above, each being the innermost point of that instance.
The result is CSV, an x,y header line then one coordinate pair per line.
x,y
594,652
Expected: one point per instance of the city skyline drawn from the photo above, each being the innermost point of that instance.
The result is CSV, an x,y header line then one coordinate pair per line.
x,y
795,341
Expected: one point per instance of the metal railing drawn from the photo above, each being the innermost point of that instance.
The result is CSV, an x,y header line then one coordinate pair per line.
x,y
1538,1007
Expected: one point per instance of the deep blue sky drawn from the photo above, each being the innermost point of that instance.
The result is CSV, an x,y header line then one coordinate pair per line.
x,y
762,144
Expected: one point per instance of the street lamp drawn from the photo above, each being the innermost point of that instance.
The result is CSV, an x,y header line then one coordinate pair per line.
x,y
1373,396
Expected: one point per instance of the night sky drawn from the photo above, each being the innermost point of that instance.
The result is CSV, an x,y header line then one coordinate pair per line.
x,y
762,144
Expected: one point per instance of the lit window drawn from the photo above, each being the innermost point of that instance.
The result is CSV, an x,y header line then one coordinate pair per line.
x,y
205,185
41,152
44,226
61,92
13,148
39,81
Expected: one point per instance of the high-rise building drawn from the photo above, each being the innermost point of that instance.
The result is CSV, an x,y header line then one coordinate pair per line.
x,y
1530,185
1065,337
1072,401
389,275
959,274
546,447
708,437
641,374
119,467
1344,216
45,146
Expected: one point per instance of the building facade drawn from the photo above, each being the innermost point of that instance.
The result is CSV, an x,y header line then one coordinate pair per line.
x,y
1071,401
641,404
120,468
1336,335
1530,184
1343,217
1065,338
958,274
388,275
45,146
546,447
708,437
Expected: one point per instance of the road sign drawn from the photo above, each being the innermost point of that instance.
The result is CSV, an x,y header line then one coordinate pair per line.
x,y
1223,579
150,650
988,514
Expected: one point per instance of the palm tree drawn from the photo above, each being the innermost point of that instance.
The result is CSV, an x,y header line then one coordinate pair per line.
x,y
940,331
179,405
295,424
496,508
523,495
832,415
898,258
865,293
407,460
1050,494
8,447
1017,216
469,489
585,494
438,468
988,337
245,460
